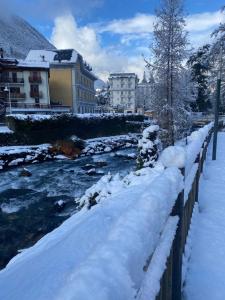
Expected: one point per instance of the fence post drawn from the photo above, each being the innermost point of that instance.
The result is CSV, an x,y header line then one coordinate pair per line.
x,y
178,247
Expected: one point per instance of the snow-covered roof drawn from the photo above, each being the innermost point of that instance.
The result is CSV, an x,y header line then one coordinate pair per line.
x,y
33,64
53,56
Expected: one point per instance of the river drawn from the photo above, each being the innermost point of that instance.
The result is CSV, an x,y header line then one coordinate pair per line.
x,y
28,204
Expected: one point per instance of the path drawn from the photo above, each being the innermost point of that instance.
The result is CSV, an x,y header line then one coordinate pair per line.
x,y
205,279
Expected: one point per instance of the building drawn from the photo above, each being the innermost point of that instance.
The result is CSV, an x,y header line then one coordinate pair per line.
x,y
122,88
23,86
144,94
71,79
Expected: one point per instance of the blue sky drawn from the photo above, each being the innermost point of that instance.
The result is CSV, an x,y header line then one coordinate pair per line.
x,y
112,35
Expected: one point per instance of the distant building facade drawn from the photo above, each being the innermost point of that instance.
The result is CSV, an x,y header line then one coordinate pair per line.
x,y
122,89
71,79
144,94
23,86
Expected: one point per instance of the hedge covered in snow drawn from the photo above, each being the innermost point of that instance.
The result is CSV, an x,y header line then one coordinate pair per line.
x,y
38,129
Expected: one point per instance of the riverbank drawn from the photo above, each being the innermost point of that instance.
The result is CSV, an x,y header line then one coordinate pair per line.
x,y
12,156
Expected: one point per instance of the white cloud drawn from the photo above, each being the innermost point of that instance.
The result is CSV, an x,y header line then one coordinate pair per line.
x,y
140,23
134,35
204,21
67,34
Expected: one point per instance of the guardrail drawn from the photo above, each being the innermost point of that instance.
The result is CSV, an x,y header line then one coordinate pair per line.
x,y
171,280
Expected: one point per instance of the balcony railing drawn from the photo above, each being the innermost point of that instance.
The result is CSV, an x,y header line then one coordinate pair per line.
x,y
11,80
5,95
35,79
32,107
36,94
17,95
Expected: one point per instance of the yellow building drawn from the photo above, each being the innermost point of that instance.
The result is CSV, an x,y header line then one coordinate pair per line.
x,y
71,81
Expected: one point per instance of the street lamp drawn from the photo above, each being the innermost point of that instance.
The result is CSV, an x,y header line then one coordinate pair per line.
x,y
7,90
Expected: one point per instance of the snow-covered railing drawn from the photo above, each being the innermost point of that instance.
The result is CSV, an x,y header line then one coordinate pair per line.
x,y
190,159
128,246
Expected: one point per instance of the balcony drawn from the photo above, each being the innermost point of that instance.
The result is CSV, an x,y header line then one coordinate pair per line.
x,y
34,94
26,107
35,79
17,95
9,80
13,96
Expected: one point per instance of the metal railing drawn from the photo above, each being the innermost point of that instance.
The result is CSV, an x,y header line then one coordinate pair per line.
x,y
6,80
22,106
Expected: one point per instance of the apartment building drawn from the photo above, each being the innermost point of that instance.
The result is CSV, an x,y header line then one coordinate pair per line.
x,y
71,79
144,94
23,86
122,88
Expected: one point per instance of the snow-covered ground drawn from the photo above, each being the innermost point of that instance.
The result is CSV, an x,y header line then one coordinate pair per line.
x,y
205,279
5,129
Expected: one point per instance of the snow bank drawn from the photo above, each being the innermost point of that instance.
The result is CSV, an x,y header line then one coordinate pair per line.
x,y
98,253
185,156
195,142
41,117
173,156
5,129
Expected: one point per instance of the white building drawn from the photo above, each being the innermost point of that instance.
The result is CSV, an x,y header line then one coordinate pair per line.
x,y
122,88
144,94
71,79
24,86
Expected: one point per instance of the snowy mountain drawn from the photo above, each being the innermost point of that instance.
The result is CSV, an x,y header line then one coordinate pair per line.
x,y
17,37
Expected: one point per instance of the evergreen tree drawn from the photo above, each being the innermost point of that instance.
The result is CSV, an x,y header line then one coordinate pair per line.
x,y
148,147
200,65
169,51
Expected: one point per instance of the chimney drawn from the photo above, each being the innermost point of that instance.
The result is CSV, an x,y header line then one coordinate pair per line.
x,y
1,53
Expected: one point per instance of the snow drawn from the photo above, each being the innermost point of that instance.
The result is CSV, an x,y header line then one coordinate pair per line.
x,y
189,179
150,129
21,149
32,118
206,269
100,251
195,142
151,284
173,156
36,55
5,129
34,64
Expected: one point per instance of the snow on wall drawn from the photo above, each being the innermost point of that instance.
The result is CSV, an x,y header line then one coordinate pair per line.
x,y
98,253
185,156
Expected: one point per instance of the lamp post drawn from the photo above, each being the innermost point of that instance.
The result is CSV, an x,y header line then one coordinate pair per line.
x,y
7,89
218,89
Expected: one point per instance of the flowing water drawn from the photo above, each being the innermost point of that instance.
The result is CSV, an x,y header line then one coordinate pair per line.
x,y
28,204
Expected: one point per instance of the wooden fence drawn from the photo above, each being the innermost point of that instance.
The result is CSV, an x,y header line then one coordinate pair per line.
x,y
171,281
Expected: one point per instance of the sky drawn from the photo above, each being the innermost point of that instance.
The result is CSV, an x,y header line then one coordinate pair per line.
x,y
112,35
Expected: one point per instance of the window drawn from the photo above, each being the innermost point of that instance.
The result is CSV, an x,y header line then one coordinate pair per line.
x,y
15,90
14,77
34,88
